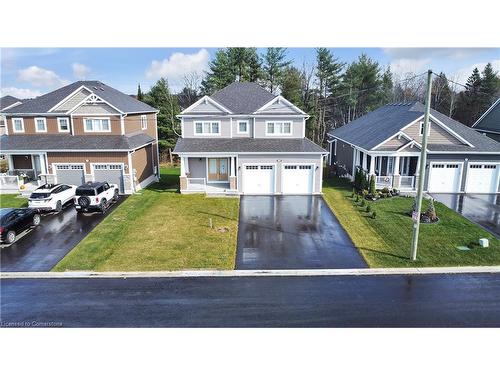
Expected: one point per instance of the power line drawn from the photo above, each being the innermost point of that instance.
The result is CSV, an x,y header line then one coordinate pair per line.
x,y
460,84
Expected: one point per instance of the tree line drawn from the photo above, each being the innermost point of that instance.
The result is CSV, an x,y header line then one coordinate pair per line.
x,y
332,92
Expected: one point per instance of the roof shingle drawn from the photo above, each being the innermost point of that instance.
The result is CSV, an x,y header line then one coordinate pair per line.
x,y
243,97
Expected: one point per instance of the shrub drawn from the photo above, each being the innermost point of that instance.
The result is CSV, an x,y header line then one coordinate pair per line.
x,y
371,187
385,190
374,214
395,191
363,203
431,211
357,198
352,194
364,193
368,208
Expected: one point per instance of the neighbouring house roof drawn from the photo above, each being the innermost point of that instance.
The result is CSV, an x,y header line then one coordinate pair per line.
x,y
48,142
379,125
243,97
8,100
490,120
42,104
247,145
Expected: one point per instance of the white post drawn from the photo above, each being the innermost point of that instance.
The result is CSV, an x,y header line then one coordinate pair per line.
x,y
354,155
183,166
233,169
372,164
364,161
417,171
11,162
396,166
186,166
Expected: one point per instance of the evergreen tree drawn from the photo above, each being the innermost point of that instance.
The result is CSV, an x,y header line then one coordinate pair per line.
x,y
441,94
469,101
291,87
255,73
275,63
160,97
140,95
386,91
489,88
220,75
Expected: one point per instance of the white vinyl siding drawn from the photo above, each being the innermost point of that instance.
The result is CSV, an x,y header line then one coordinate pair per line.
x,y
63,124
18,125
278,127
97,125
207,127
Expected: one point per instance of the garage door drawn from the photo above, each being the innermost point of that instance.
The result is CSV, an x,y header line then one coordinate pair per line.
x,y
482,178
71,174
444,178
297,179
258,179
110,173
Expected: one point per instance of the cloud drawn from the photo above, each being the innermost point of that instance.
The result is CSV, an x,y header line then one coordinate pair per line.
x,y
80,71
20,93
461,75
447,53
400,67
179,64
40,77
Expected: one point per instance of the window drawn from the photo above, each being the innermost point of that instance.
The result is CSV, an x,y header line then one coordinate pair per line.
x,y
18,125
40,124
207,127
422,128
97,125
144,122
242,127
278,127
63,124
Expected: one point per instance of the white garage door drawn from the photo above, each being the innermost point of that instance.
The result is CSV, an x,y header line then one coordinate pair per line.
x,y
71,174
110,173
297,179
482,178
258,179
444,178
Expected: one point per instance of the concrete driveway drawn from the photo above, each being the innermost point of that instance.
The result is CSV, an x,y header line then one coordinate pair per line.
x,y
292,232
41,248
482,209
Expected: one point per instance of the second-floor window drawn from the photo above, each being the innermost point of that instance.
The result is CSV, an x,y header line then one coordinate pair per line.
x,y
207,127
422,128
242,127
18,125
278,128
40,124
93,125
144,122
63,124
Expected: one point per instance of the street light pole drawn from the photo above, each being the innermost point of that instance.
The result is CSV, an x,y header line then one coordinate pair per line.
x,y
423,161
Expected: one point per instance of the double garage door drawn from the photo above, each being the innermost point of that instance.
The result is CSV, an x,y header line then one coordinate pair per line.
x,y
74,174
262,178
447,178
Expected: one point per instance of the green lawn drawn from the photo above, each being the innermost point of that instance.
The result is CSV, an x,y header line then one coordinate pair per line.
x,y
160,229
385,241
12,200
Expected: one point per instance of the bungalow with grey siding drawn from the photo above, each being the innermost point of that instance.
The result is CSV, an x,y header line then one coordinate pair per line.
x,y
387,143
489,123
245,140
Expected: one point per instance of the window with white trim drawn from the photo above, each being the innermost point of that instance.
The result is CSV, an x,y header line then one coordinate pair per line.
x,y
93,125
144,122
18,125
63,124
207,127
278,127
242,127
40,124
422,128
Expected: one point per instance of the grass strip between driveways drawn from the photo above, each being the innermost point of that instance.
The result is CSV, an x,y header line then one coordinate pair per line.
x,y
160,229
385,241
12,201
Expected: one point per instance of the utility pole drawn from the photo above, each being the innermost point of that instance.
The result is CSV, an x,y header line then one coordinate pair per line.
x,y
423,162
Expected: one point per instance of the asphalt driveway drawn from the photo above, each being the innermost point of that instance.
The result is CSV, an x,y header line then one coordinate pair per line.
x,y
292,232
482,209
41,248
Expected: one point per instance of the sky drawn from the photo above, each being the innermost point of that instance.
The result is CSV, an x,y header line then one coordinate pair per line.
x,y
29,72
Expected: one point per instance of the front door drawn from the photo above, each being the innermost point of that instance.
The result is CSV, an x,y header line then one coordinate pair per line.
x,y
217,169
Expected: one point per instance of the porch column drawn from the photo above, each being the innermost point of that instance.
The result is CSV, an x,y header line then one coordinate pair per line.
x,y
43,166
372,164
354,156
233,169
186,165
396,178
10,162
396,165
363,165
183,166
232,178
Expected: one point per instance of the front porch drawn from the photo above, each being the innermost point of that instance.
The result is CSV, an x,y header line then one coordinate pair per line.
x,y
24,174
210,175
391,170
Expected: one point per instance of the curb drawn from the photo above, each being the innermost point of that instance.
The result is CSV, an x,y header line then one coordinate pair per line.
x,y
252,273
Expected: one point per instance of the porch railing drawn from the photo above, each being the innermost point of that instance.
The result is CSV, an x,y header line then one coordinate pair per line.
x,y
9,182
196,184
407,182
383,181
30,173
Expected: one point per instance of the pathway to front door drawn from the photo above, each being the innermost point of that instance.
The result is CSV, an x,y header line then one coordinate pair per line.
x,y
292,232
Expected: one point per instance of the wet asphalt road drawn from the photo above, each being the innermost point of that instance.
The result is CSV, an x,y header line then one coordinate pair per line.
x,y
321,301
483,209
292,232
44,246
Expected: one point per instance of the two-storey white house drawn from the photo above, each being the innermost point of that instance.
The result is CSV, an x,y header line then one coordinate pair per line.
x,y
246,140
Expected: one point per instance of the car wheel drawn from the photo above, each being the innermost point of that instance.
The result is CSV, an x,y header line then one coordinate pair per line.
x,y
58,206
11,236
116,196
104,205
36,220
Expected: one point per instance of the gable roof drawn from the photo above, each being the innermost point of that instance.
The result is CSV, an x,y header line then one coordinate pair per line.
x,y
243,97
490,120
377,126
42,104
8,100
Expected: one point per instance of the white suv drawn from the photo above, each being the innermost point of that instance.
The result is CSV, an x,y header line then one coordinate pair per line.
x,y
50,197
95,196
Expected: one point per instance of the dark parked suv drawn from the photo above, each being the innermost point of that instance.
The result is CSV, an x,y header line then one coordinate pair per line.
x,y
15,220
95,196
